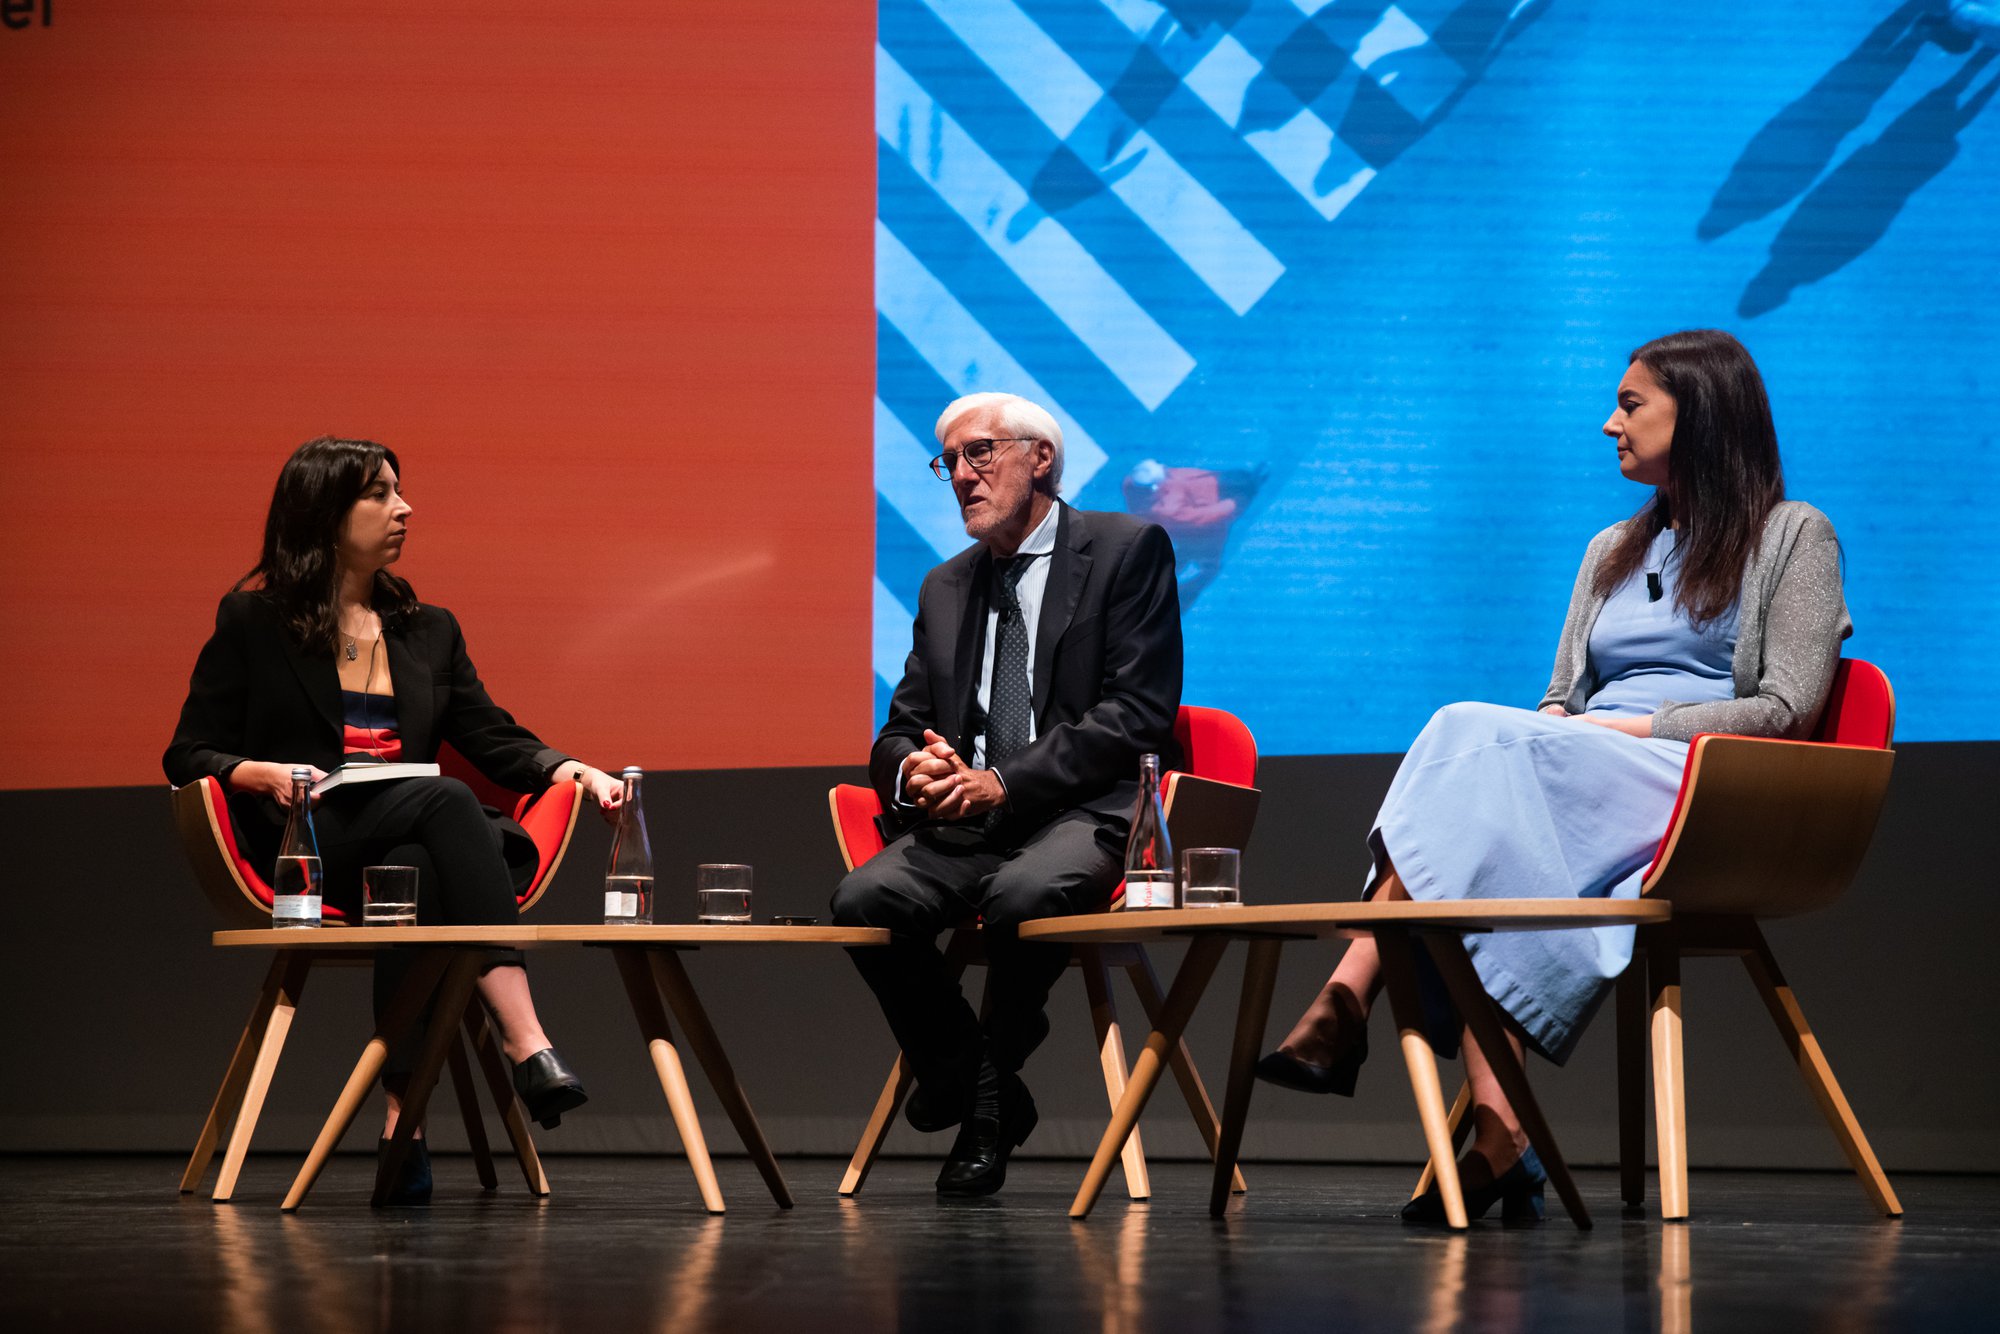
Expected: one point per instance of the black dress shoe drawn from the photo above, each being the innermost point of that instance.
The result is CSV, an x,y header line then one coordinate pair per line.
x,y
1518,1190
1288,1071
998,1123
413,1182
548,1088
938,1102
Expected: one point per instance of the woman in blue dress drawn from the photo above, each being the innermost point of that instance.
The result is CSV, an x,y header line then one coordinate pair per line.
x,y
1716,608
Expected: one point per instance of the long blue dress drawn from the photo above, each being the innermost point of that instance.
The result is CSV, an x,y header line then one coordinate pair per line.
x,y
1497,802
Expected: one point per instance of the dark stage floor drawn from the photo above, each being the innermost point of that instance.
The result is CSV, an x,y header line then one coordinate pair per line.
x,y
105,1243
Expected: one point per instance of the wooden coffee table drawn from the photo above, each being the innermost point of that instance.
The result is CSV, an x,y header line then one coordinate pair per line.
x,y
1399,929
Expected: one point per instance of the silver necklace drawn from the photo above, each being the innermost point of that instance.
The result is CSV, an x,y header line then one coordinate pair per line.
x,y
353,649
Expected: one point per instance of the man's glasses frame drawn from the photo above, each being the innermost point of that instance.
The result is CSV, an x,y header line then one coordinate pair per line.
x,y
978,455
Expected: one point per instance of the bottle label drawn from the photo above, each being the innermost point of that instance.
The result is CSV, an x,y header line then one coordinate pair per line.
x,y
1149,889
294,907
620,905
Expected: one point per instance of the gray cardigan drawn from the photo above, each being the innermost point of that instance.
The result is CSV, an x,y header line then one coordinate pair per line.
x,y
1790,624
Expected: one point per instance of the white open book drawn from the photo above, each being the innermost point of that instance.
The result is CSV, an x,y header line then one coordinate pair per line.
x,y
365,772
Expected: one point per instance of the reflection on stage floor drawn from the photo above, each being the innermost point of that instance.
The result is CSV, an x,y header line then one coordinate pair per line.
x,y
105,1242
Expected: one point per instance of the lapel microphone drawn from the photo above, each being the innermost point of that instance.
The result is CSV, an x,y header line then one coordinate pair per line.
x,y
1654,591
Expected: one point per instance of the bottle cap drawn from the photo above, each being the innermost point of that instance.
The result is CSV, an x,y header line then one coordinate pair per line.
x,y
632,771
301,774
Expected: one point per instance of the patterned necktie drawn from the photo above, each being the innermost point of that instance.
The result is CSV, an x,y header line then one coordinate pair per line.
x,y
1009,706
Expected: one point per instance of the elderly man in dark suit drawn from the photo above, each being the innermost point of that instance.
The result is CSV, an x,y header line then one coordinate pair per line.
x,y
1046,661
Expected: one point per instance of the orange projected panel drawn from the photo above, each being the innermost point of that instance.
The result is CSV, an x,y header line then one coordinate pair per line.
x,y
599,272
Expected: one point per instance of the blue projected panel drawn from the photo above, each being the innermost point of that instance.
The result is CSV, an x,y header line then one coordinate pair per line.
x,y
1339,293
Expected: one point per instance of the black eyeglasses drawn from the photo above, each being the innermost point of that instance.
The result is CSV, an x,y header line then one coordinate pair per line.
x,y
978,455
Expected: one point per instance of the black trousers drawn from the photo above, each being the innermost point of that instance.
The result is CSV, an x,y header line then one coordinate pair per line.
x,y
465,876
938,876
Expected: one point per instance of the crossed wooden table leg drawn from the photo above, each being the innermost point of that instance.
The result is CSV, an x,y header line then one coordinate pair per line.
x,y
1400,929
444,977
657,984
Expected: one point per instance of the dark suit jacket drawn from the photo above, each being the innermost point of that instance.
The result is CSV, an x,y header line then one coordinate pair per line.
x,y
1107,669
255,695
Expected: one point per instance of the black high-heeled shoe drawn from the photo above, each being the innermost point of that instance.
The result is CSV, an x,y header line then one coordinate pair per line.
x,y
1288,1071
413,1181
548,1088
1518,1190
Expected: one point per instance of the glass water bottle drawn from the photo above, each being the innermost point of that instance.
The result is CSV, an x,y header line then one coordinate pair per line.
x,y
628,881
1149,855
295,887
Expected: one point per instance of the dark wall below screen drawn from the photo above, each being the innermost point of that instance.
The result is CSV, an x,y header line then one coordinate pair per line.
x,y
121,1000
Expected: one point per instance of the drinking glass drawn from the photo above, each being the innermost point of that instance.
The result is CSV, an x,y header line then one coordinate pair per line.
x,y
389,896
1210,877
722,889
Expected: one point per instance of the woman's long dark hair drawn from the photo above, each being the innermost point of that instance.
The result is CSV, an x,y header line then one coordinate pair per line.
x,y
1723,473
317,487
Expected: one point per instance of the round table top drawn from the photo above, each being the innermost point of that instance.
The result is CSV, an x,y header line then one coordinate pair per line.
x,y
681,935
1311,920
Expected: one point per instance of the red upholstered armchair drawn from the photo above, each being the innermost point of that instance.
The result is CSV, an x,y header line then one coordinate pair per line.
x,y
237,889
242,898
1212,804
1763,828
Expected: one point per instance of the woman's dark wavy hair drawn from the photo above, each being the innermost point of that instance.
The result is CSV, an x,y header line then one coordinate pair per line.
x,y
316,488
1723,473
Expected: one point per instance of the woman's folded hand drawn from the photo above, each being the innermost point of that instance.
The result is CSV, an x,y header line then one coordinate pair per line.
x,y
1642,725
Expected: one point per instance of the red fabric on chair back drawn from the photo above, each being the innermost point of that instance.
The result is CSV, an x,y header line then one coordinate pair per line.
x,y
454,765
1860,709
548,823
854,811
1216,744
220,841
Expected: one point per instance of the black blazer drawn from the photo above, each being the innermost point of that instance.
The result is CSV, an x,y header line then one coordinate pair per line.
x,y
255,695
1107,668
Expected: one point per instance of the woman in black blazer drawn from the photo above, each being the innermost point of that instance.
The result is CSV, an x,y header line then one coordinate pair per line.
x,y
327,656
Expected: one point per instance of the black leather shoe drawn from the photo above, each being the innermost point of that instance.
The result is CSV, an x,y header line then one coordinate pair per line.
x,y
1288,1071
997,1124
548,1088
1518,1191
413,1182
939,1101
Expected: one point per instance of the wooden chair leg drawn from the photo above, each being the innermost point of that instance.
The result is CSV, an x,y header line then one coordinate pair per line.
x,y
1253,1011
644,995
419,985
670,975
1818,1074
236,1076
1399,976
1476,1008
894,1090
1663,980
1631,1032
1111,1058
897,1086
297,966
1192,979
468,1111
500,1086
1459,1121
1147,983
453,994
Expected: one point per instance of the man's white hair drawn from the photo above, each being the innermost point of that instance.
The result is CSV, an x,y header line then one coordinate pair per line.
x,y
1017,417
